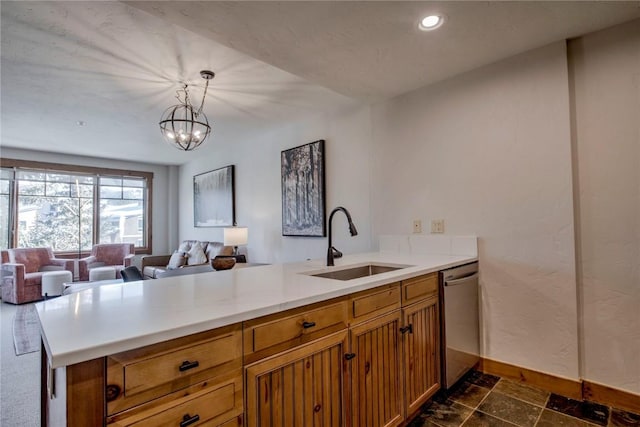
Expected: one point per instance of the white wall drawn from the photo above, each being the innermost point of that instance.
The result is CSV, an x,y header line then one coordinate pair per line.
x,y
347,138
607,134
490,153
164,230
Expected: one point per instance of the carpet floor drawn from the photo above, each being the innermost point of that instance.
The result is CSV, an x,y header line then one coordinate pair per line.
x,y
19,377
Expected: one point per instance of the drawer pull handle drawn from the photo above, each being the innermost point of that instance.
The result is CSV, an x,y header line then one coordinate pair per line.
x,y
112,392
186,365
187,420
408,328
349,356
308,325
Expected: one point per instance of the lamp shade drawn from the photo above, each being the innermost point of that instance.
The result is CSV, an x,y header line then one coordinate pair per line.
x,y
236,236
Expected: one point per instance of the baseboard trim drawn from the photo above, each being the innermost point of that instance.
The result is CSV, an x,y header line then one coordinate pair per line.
x,y
555,384
575,389
610,396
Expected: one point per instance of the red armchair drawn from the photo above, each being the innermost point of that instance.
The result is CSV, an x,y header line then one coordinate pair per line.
x,y
118,255
22,274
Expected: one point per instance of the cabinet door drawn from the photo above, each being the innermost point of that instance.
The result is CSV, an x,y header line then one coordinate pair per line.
x,y
299,387
421,342
376,390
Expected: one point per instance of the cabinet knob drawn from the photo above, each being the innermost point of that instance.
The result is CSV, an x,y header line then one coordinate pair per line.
x,y
186,365
307,325
349,356
405,329
187,420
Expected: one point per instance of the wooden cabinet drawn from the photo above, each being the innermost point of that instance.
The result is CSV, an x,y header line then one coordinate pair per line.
x,y
370,359
376,383
421,349
396,367
300,387
195,380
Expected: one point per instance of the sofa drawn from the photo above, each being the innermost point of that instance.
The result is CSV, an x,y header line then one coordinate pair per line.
x,y
184,259
22,273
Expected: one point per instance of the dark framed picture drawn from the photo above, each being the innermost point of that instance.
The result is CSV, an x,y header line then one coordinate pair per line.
x,y
214,198
303,198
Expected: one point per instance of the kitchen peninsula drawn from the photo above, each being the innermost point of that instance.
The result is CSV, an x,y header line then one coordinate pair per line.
x,y
201,349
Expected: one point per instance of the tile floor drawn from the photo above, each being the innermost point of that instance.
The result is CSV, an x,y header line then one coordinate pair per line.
x,y
485,400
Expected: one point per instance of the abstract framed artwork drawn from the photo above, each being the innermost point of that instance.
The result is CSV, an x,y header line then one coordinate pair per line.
x,y
214,198
303,190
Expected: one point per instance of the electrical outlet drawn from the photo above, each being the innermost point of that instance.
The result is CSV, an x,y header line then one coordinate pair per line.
x,y
417,226
437,226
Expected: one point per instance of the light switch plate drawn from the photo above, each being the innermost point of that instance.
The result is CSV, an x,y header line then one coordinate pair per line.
x,y
417,226
437,226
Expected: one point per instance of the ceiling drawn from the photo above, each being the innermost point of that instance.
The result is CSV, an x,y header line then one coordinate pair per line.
x,y
116,66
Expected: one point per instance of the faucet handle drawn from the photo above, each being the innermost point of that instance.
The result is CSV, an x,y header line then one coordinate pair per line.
x,y
336,253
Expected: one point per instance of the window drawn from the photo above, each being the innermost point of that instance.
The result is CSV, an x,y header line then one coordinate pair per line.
x,y
121,210
55,210
6,183
70,208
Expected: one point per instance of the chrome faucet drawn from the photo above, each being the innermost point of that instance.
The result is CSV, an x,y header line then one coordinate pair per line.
x,y
333,252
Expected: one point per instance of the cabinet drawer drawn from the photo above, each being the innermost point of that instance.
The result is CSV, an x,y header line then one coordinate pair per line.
x,y
165,368
211,406
139,376
235,422
368,304
419,288
289,328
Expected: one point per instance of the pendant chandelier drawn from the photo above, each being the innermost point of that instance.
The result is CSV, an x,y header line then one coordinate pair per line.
x,y
182,125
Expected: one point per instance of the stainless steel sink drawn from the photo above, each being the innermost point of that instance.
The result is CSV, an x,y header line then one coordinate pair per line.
x,y
359,271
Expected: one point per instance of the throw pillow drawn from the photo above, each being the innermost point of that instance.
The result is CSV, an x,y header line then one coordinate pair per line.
x,y
177,260
196,255
184,247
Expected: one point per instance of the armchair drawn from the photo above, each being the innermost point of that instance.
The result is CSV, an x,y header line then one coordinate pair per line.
x,y
118,255
22,275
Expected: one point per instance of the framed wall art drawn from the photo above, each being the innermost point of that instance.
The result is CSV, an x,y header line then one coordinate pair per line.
x,y
303,194
214,198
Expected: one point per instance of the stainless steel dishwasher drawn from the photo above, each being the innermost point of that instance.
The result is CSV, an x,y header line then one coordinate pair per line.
x,y
460,322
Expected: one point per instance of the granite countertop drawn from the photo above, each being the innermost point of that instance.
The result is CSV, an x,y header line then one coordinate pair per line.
x,y
119,317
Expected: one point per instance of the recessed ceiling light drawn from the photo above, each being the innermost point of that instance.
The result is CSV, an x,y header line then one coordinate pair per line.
x,y
81,123
431,22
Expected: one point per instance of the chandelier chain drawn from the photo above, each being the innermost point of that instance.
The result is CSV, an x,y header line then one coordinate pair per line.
x,y
187,100
204,95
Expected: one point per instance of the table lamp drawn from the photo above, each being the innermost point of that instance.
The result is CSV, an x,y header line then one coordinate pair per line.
x,y
236,236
